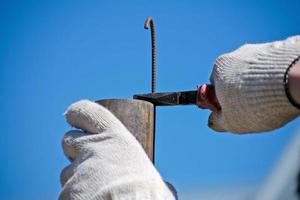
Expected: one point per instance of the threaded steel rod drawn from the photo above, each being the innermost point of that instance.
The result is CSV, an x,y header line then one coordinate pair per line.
x,y
149,21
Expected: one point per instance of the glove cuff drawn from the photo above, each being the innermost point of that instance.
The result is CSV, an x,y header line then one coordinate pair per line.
x,y
265,84
286,84
270,71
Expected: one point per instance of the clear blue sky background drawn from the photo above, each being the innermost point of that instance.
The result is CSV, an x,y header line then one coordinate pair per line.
x,y
53,53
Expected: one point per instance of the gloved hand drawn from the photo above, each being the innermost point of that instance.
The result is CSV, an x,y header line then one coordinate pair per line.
x,y
107,162
250,87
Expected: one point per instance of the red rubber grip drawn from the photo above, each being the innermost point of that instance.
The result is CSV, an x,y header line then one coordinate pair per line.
x,y
207,98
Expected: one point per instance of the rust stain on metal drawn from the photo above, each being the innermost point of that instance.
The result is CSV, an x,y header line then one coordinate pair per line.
x,y
149,22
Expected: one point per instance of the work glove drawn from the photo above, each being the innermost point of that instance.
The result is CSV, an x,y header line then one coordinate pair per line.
x,y
251,87
107,162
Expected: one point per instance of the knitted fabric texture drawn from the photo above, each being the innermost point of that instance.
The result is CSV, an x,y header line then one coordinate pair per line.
x,y
107,162
249,85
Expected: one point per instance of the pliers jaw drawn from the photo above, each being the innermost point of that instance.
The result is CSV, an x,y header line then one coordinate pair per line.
x,y
204,97
169,98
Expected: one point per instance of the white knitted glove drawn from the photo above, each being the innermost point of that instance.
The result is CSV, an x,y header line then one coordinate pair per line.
x,y
107,162
249,84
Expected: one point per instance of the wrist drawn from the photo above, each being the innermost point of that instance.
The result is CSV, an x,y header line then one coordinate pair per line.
x,y
294,82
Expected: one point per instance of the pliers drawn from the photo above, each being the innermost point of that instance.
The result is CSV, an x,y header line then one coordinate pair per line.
x,y
204,97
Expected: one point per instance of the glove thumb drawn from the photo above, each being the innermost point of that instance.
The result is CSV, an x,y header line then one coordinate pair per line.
x,y
91,117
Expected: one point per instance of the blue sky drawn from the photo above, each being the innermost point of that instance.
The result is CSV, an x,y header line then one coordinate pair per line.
x,y
53,53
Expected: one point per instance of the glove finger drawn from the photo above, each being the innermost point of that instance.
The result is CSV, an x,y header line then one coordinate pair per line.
x,y
66,173
172,189
77,144
91,117
73,144
70,143
215,122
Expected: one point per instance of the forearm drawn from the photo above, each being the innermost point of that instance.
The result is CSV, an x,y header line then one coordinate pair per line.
x,y
294,82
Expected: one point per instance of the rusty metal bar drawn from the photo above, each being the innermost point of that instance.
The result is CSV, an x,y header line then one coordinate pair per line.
x,y
149,21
